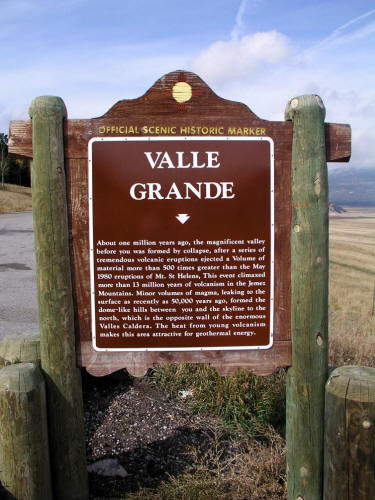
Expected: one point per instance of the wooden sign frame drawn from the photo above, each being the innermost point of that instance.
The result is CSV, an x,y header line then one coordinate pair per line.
x,y
168,109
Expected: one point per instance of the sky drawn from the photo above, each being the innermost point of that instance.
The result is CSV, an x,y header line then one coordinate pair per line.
x,y
93,53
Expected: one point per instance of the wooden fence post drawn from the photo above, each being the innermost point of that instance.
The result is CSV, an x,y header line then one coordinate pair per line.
x,y
24,455
309,249
22,349
349,452
57,342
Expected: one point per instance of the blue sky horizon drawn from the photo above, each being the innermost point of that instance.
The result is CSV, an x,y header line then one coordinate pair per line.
x,y
260,52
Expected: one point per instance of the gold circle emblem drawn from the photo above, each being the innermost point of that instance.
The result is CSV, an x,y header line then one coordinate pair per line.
x,y
182,92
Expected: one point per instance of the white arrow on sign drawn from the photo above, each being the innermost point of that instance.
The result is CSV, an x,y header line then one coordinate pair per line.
x,y
182,218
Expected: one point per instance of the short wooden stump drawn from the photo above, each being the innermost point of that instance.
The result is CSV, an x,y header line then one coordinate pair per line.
x,y
24,454
349,454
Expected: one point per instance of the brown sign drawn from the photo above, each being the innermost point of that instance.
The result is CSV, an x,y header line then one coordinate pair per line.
x,y
181,243
180,114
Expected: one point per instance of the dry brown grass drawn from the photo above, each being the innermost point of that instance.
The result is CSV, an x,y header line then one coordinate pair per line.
x,y
352,286
252,470
15,199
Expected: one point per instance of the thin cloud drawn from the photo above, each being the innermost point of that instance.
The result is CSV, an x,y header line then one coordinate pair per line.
x,y
237,29
341,29
225,61
342,33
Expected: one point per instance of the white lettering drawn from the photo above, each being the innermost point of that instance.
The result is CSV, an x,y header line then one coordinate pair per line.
x,y
201,190
150,159
163,159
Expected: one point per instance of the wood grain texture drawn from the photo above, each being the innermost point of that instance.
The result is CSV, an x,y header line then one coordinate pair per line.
x,y
338,139
56,314
78,132
158,101
349,458
22,349
261,362
309,254
20,141
207,110
24,453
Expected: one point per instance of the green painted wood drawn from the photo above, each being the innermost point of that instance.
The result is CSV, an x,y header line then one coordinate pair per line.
x,y
22,349
24,454
57,340
349,453
309,274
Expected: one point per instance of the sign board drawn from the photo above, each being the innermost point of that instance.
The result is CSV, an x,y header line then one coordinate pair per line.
x,y
156,207
181,243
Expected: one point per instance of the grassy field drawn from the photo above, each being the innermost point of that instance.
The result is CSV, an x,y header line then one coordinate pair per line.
x,y
15,198
352,287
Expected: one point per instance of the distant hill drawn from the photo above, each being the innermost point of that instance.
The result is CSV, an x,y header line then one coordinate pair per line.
x,y
15,199
352,186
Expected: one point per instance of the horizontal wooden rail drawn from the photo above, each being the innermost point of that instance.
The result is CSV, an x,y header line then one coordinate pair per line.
x,y
337,138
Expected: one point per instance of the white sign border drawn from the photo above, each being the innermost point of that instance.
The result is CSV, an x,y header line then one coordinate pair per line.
x,y
92,252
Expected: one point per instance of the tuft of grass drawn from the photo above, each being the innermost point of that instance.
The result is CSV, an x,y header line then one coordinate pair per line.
x,y
15,198
243,400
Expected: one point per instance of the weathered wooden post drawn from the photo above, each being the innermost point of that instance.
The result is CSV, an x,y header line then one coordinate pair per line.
x,y
64,392
22,349
24,454
309,256
349,453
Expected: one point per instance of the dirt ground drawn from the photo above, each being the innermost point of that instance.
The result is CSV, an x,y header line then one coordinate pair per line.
x,y
148,433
